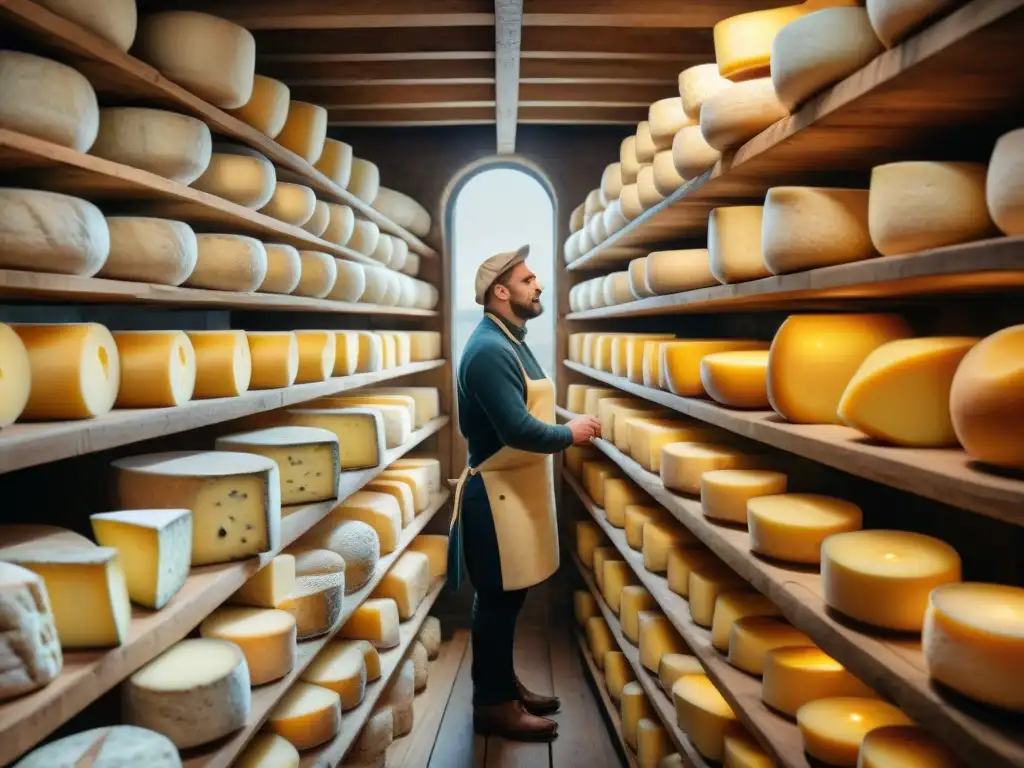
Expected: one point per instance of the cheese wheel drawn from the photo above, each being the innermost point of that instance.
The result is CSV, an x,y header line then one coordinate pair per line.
x,y
903,746
358,544
291,203
317,223
752,637
316,355
403,210
648,193
737,379
228,263
341,225
616,289
109,747
730,607
737,114
576,219
645,147
710,579
400,255
335,161
724,493
267,107
340,667
677,271
815,51
304,130
275,358
834,729
638,279
349,283
614,220
29,627
674,665
377,284
814,357
795,676
734,244
664,174
629,202
319,273
150,250
158,369
1004,191
691,154
611,183
112,20
697,84
592,205
741,750
212,57
382,252
364,181
792,526
683,464
365,235
635,707
703,714
680,361
223,363
667,117
894,20
595,228
307,715
284,268
914,206
48,100
319,595
15,376
246,179
49,232
629,165
266,638
267,750
75,370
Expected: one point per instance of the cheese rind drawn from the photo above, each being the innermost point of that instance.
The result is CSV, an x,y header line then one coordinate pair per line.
x,y
894,745
588,538
228,263
16,385
223,363
319,595
635,707
177,147
430,636
793,677
27,630
697,84
247,179
291,203
652,743
834,729
1003,191
681,361
403,210
735,250
316,355
317,223
681,563
364,181
275,358
657,638
150,250
792,526
752,637
341,667
737,379
158,369
741,750
435,547
691,153
340,225
266,637
319,273
708,580
267,107
730,607
683,464
268,750
304,130
307,715
378,510
599,639
617,574
677,271
724,493
355,541
637,518
703,714
618,673
737,114
335,161
109,747
399,698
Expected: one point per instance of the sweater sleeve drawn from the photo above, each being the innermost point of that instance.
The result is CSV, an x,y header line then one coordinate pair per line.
x,y
496,383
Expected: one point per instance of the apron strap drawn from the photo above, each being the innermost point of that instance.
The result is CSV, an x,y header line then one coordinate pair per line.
x,y
514,340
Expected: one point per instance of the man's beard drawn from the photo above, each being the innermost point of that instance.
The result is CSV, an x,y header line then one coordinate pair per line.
x,y
526,311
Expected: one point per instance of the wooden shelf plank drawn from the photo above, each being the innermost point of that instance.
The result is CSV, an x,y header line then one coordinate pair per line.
x,y
221,753
892,665
606,700
986,265
564,414
127,78
332,753
946,475
30,444
780,737
25,721
959,75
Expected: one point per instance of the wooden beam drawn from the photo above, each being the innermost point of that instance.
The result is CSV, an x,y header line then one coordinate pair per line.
x,y
423,113
433,71
508,32
583,114
600,42
461,114
662,14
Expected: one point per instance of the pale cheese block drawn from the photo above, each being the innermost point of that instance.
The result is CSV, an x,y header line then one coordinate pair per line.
x,y
576,219
427,399
737,379
657,638
588,538
316,225
814,357
319,273
703,714
365,236
427,295
795,676
709,579
737,114
724,493
398,698
599,639
691,153
403,210
1004,191
346,352
435,547
683,464
223,363
150,250
677,271
617,574
382,252
734,244
637,518
666,178
883,578
680,361
284,269
638,279
234,498
378,510
275,358
894,20
611,183
377,284
158,369
28,633
892,745
914,206
177,147
75,370
349,283
834,729
267,107
697,84
632,601
815,51
673,666
245,178
112,20
304,130
193,693
341,667
659,539
48,100
375,620
355,541
266,637
614,220
307,715
751,638
629,165
645,147
268,750
360,433
648,436
154,549
430,636
335,161
667,118
618,673
396,418
576,393
49,232
15,386
402,494
228,263
792,526
403,352
646,189
269,586
340,226
406,582
635,706
291,203
364,181
652,743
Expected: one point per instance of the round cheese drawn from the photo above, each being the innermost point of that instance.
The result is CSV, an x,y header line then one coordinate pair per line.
x,y
792,526
15,376
648,193
666,118
114,746
682,464
418,654
275,358
50,232
571,250
317,223
246,179
350,282
734,244
364,181
576,219
638,279
193,693
377,284
394,289
177,147
724,493
284,268
370,748
341,225
586,241
698,84
741,750
158,369
833,729
265,636
340,667
412,263
316,355
677,271
364,238
403,210
730,607
430,635
914,206
691,154
903,746
796,675
817,50
703,714
616,289
229,263
893,20
223,363
113,20
613,218
592,204
666,178
737,114
630,203
597,293
611,183
883,578
399,697
304,130
267,107
1004,190
150,250
752,637
737,379
629,165
399,253
680,361
212,57
29,625
595,228
268,750
291,203
645,147
382,252
335,162
307,715
319,594
50,101
319,273
356,542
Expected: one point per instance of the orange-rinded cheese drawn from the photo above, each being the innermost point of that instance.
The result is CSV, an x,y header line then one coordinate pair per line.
x,y
730,607
741,750
657,638
316,355
652,743
618,673
833,729
681,361
792,526
734,244
223,363
603,555
708,580
703,714
683,464
304,130
599,639
635,707
903,746
632,601
752,637
15,385
794,676
617,575
737,379
275,358
724,493
681,562
588,538
674,665
584,606
158,369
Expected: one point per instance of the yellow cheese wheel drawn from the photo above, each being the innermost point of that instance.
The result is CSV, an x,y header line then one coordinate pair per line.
x,y
667,117
741,750
703,714
730,607
634,708
588,538
681,361
611,183
724,493
796,675
645,147
584,606
629,202
248,179
304,130
335,162
284,269
752,637
228,263
903,746
664,174
177,147
792,526
599,639
708,580
833,729
594,475
697,84
364,180
158,369
275,359
1004,191
316,355
340,226
734,244
683,464
629,164
691,153
603,555
814,357
737,379
616,289
364,238
15,376
618,673
681,562
894,20
223,363
319,273
614,220
737,114
267,107
113,20
646,188
291,203
883,578
654,374
678,271
987,399
674,665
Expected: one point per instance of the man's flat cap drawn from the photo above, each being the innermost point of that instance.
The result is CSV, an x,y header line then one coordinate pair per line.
x,y
493,267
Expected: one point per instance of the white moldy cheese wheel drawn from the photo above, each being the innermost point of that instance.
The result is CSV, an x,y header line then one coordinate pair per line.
x,y
666,178
304,130
914,206
49,232
291,203
817,50
212,57
365,235
382,252
698,84
267,107
676,271
691,154
275,358
15,376
341,225
266,637
246,179
350,282
317,223
364,181
319,273
223,363
193,693
895,19
284,269
177,147
737,114
645,147
734,244
399,252
611,183
357,543
319,595
116,746
667,117
335,162
403,210
113,20
75,368
50,101
150,250
158,369
34,656
629,166
595,227
807,227
229,263
1004,188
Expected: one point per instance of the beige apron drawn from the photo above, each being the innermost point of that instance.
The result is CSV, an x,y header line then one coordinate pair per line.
x,y
521,491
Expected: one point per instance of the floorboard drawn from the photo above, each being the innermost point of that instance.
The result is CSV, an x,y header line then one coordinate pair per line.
x,y
456,745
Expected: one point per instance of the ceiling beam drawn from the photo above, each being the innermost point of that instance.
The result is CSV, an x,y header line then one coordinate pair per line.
x,y
436,71
463,115
508,32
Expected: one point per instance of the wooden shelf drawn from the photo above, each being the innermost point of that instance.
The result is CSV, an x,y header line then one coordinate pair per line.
x,y
610,709
564,414
660,700
987,265
332,753
946,475
30,444
221,753
120,77
25,721
892,665
779,736
961,75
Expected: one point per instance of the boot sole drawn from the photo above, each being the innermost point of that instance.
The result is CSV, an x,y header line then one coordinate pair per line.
x,y
483,730
543,711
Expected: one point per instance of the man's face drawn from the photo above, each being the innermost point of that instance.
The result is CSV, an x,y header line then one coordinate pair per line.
x,y
524,292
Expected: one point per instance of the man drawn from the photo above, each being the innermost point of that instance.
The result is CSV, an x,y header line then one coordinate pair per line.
x,y
504,521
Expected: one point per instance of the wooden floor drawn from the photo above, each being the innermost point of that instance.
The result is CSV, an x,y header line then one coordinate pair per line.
x,y
547,661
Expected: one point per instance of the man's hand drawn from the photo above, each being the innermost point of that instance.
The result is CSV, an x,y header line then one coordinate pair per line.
x,y
583,428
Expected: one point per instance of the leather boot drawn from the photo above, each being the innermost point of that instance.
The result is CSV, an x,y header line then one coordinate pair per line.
x,y
511,721
535,703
